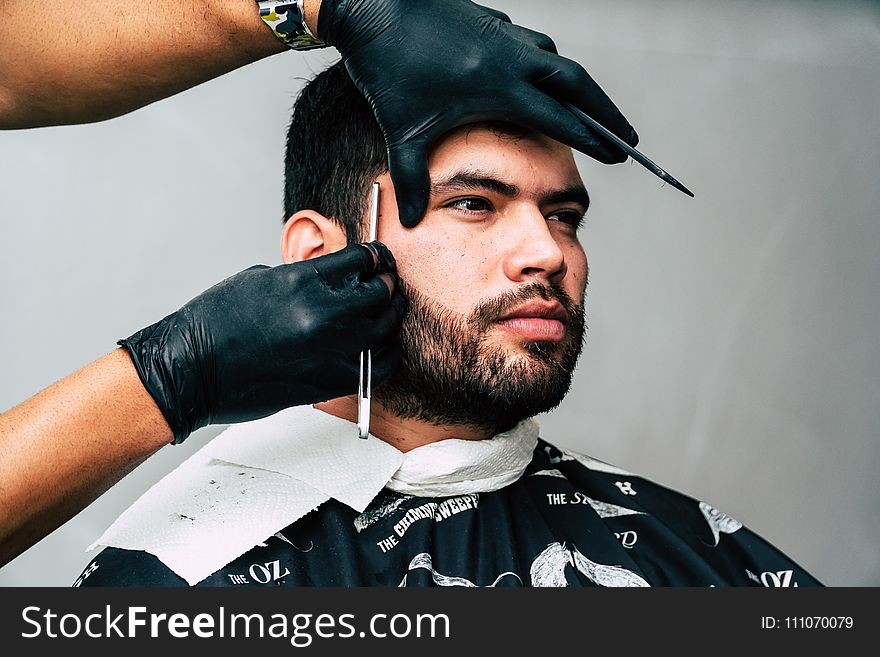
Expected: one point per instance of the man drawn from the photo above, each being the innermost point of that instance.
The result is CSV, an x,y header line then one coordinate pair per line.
x,y
455,488
100,62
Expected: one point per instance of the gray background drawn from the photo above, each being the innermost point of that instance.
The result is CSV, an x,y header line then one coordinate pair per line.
x,y
732,349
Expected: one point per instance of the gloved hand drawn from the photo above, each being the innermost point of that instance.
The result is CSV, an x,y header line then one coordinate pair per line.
x,y
269,338
427,66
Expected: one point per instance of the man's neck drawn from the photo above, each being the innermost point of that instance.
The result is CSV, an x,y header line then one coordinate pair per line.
x,y
404,434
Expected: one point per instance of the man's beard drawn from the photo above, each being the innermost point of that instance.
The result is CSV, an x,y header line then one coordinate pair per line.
x,y
450,373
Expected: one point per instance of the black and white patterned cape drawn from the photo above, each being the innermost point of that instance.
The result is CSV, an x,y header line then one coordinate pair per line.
x,y
568,521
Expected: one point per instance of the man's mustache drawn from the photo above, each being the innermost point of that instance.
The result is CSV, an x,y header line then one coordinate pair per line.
x,y
492,309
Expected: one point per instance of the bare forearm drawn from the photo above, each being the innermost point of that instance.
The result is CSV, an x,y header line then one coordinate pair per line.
x,y
78,61
68,444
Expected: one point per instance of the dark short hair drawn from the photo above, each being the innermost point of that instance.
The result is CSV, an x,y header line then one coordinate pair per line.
x,y
335,150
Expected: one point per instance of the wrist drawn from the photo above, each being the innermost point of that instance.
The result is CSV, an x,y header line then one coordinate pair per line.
x,y
311,12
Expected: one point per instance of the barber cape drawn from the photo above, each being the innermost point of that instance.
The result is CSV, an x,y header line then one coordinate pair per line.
x,y
297,499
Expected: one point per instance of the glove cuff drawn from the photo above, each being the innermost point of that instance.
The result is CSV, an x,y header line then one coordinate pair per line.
x,y
329,20
168,376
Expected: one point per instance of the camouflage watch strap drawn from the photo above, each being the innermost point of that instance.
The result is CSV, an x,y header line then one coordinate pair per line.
x,y
285,18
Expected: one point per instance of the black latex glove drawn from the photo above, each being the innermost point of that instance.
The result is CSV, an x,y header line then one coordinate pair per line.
x,y
269,338
427,66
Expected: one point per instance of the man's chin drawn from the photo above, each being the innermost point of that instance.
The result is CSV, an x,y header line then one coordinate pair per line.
x,y
522,350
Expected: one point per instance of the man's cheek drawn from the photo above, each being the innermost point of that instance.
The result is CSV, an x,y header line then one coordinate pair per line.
x,y
578,274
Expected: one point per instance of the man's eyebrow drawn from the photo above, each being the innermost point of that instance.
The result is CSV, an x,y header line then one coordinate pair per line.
x,y
477,180
574,193
473,180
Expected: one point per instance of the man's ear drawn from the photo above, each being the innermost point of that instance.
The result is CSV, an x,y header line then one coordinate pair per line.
x,y
308,234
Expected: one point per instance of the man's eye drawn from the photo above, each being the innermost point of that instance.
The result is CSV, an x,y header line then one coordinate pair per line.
x,y
471,205
570,217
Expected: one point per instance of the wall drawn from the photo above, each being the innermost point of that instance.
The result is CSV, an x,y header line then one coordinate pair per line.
x,y
731,351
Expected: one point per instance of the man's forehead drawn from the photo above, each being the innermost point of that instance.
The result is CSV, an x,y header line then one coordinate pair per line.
x,y
512,155
497,133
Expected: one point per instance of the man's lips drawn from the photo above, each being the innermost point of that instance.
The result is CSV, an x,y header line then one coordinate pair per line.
x,y
536,320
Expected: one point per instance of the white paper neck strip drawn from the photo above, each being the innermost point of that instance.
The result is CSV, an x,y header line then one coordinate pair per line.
x,y
256,478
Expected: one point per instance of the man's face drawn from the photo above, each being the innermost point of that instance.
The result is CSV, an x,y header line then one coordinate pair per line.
x,y
495,277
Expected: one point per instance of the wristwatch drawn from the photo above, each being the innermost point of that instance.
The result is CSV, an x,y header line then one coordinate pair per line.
x,y
286,19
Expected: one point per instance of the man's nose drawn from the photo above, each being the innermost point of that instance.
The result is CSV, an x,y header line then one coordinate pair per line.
x,y
533,251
